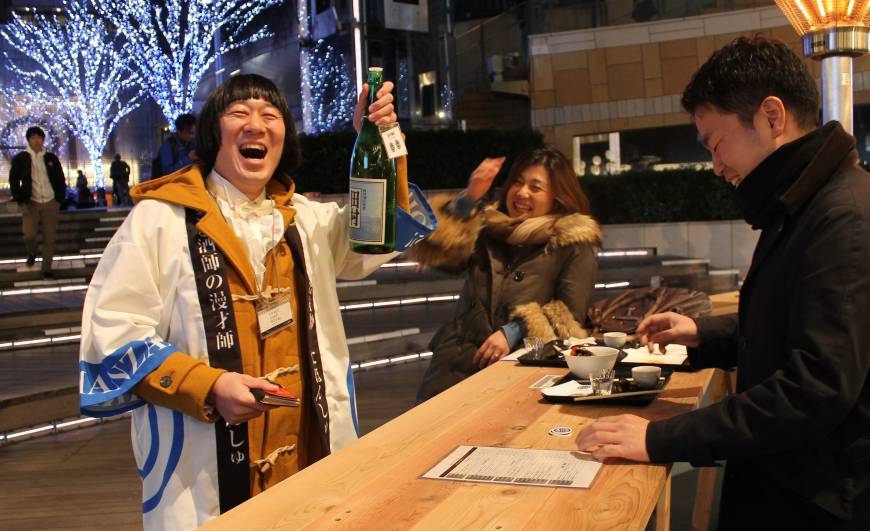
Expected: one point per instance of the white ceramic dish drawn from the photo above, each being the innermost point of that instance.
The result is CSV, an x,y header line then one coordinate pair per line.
x,y
646,376
615,339
601,358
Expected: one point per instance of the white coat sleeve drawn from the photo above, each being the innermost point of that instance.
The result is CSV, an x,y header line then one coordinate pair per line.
x,y
348,264
125,309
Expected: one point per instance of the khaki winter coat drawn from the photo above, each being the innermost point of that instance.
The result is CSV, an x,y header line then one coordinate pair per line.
x,y
540,270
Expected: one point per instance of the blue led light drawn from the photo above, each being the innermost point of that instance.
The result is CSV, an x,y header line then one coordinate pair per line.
x,y
172,42
81,67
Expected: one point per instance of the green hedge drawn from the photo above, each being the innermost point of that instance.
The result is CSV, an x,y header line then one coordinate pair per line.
x,y
655,197
444,159
437,159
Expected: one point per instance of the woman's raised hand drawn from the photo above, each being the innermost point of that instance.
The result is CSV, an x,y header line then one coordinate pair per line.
x,y
481,178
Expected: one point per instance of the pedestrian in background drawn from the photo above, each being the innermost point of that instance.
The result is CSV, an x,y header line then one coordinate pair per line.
x,y
38,186
179,150
119,172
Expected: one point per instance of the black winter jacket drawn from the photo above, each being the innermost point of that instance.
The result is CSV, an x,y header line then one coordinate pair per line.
x,y
21,183
541,271
801,340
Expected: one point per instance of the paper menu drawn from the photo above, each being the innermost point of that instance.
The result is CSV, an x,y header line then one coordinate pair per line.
x,y
517,466
675,355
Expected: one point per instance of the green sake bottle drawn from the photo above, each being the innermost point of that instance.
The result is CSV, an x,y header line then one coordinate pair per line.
x,y
372,200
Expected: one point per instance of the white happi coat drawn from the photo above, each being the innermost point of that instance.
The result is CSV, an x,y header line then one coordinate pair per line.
x,y
142,306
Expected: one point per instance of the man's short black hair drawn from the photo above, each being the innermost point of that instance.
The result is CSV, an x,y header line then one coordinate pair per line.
x,y
184,122
240,88
34,131
738,77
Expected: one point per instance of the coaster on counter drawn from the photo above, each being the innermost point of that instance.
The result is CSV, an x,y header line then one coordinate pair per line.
x,y
561,431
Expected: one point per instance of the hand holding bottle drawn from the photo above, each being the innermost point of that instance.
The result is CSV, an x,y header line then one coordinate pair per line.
x,y
373,181
481,178
380,112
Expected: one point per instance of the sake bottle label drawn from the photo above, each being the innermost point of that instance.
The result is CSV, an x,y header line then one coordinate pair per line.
x,y
393,141
368,207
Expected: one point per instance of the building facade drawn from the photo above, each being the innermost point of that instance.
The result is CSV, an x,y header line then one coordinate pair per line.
x,y
628,80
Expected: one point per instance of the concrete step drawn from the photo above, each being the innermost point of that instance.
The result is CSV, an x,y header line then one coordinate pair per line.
x,y
394,286
38,408
384,349
10,278
72,231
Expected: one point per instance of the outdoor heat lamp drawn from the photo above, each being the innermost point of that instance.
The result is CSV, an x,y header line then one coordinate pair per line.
x,y
833,31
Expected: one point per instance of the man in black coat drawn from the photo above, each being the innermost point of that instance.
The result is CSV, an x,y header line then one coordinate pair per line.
x,y
796,435
38,186
119,172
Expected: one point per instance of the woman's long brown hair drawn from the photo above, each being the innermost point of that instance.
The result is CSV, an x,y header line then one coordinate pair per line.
x,y
567,193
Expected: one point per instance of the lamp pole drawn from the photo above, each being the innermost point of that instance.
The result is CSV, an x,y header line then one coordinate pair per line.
x,y
835,48
833,33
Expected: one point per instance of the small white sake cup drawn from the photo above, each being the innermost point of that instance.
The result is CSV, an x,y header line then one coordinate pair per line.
x,y
615,339
646,376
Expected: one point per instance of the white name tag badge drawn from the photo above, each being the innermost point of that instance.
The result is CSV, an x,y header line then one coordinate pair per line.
x,y
393,141
274,315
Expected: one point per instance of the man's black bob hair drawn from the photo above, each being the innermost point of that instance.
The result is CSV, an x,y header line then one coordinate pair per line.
x,y
240,88
740,75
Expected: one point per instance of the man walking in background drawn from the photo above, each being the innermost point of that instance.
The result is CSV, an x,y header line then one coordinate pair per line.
x,y
37,184
119,172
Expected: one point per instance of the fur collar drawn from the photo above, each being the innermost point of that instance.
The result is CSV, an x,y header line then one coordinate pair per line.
x,y
554,230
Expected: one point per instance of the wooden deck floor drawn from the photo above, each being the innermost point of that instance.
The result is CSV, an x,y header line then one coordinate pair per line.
x,y
30,371
86,479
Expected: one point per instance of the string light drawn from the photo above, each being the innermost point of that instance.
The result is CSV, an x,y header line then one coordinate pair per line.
x,y
332,91
304,23
22,110
447,100
404,83
76,57
328,88
172,42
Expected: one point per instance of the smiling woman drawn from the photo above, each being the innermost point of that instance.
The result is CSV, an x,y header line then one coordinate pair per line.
x,y
530,194
529,259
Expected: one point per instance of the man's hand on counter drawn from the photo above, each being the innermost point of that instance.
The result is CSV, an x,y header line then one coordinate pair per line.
x,y
620,436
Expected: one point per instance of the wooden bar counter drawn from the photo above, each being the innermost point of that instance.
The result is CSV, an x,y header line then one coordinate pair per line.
x,y
374,483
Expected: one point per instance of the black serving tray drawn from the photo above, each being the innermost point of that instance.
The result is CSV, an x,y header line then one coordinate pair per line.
x,y
551,357
625,391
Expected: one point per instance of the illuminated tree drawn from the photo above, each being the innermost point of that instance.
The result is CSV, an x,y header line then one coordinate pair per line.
x,y
332,90
172,42
328,90
22,108
77,59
